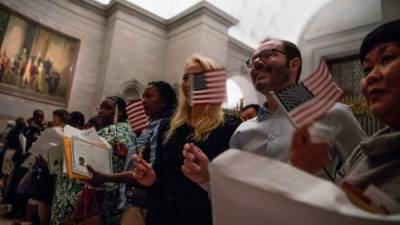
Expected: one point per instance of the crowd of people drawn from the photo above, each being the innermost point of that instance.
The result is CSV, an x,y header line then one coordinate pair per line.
x,y
161,177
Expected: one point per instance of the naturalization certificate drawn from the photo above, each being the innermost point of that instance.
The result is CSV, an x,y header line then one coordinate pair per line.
x,y
86,153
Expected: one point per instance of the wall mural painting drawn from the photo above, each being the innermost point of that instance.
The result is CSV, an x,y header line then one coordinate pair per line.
x,y
35,62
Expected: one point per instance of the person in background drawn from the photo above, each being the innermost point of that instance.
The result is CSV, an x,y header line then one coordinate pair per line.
x,y
77,120
376,160
92,122
37,119
45,195
14,138
176,199
159,101
11,180
60,118
249,111
10,126
36,126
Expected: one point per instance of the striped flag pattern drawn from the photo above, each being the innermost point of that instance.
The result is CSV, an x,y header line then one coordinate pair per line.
x,y
312,98
209,87
137,117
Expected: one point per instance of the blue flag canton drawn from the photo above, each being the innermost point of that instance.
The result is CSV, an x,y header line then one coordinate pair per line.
x,y
294,96
199,82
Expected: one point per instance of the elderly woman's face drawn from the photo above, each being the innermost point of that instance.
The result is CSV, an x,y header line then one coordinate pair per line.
x,y
190,69
381,83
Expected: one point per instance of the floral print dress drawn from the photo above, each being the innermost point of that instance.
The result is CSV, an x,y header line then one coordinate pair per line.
x,y
67,191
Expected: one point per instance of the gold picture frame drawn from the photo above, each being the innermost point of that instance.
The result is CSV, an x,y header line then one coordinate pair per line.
x,y
36,62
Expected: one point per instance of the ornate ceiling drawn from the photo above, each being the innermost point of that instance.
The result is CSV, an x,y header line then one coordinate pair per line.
x,y
257,18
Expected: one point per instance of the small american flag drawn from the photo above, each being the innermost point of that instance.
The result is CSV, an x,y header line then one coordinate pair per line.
x,y
115,119
209,87
312,98
137,117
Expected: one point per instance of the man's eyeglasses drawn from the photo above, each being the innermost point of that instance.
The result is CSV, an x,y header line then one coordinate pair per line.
x,y
264,55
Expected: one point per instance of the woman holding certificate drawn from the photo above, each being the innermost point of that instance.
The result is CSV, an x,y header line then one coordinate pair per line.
x,y
114,128
176,199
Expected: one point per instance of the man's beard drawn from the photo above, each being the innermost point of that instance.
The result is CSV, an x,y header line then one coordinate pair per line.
x,y
278,80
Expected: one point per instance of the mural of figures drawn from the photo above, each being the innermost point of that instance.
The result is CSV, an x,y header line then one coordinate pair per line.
x,y
34,61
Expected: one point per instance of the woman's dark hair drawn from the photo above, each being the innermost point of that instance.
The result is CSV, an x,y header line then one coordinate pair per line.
x,y
94,121
20,124
388,32
76,119
121,107
168,96
256,107
63,114
38,113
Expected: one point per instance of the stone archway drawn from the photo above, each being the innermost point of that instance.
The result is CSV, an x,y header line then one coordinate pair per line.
x,y
131,90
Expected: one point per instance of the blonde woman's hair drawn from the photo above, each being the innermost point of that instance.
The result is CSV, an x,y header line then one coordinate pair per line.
x,y
212,115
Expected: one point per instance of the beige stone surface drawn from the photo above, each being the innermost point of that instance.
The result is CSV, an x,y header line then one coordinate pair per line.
x,y
122,44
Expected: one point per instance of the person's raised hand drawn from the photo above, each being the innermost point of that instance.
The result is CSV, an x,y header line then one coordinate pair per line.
x,y
195,164
143,172
308,153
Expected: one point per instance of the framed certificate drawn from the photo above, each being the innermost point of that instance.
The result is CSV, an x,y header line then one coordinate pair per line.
x,y
86,153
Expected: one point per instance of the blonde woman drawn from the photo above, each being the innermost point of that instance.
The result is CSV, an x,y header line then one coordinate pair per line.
x,y
176,199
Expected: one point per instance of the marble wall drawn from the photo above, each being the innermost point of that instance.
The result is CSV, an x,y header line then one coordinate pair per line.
x,y
338,28
123,47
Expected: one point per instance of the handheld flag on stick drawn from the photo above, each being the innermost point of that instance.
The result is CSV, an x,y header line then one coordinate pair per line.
x,y
115,121
312,98
137,117
208,87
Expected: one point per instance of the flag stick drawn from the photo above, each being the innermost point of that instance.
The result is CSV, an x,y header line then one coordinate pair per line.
x,y
116,123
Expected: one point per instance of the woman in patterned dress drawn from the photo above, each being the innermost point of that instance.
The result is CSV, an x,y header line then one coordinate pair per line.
x,y
117,135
